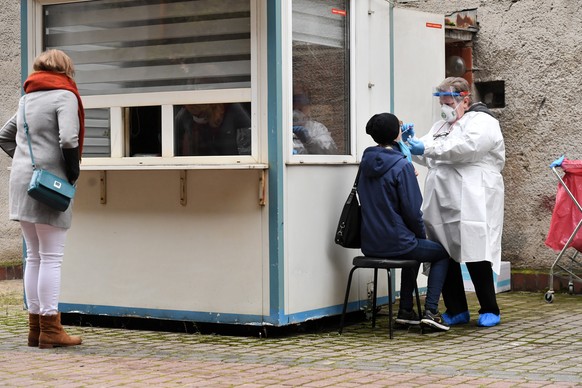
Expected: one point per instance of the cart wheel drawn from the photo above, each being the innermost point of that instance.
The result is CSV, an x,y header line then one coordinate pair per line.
x,y
571,289
549,297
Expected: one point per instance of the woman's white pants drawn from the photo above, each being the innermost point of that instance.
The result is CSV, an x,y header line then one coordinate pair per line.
x,y
45,246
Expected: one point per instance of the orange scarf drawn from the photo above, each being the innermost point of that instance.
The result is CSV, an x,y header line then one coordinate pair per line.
x,y
48,80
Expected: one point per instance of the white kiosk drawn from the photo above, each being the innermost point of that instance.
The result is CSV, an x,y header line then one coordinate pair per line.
x,y
205,236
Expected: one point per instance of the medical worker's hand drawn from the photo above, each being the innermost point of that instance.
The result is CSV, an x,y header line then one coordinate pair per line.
x,y
416,146
301,132
407,132
557,162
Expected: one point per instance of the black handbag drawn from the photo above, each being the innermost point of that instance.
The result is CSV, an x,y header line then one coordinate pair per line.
x,y
45,187
348,228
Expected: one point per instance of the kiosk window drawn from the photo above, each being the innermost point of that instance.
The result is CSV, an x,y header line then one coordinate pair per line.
x,y
135,60
144,127
97,133
212,129
321,77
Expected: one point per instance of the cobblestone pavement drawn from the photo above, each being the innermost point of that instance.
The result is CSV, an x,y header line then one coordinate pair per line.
x,y
537,345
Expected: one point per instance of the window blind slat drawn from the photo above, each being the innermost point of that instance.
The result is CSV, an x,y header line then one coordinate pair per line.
x,y
186,51
153,73
116,37
113,13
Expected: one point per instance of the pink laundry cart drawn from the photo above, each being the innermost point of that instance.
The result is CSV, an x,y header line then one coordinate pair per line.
x,y
564,235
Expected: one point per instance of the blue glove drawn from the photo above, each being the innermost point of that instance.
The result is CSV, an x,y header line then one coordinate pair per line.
x,y
407,131
300,132
557,162
416,146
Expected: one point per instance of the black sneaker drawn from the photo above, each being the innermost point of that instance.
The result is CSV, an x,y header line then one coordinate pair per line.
x,y
434,321
407,318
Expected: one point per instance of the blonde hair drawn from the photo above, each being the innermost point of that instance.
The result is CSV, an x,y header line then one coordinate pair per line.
x,y
456,84
55,61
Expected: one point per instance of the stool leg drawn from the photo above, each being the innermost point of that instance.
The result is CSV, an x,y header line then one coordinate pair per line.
x,y
374,293
418,303
390,302
341,328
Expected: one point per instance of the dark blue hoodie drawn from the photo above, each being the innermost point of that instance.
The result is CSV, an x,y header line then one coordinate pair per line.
x,y
391,200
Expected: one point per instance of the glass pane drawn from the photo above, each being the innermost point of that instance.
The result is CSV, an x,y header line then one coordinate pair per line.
x,y
144,127
320,77
97,133
121,46
212,129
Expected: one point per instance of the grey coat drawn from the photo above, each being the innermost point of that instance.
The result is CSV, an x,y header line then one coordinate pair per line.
x,y
53,123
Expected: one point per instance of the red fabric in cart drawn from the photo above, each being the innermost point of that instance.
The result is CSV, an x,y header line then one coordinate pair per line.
x,y
566,214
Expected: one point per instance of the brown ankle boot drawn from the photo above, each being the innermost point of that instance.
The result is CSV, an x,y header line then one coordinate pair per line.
x,y
52,333
33,329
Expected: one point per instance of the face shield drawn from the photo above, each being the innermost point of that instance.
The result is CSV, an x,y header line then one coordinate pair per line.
x,y
448,105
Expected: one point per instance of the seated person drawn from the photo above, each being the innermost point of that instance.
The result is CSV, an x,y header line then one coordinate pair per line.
x,y
309,136
212,129
392,224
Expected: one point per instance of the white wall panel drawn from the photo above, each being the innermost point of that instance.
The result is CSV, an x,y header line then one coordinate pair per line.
x,y
144,249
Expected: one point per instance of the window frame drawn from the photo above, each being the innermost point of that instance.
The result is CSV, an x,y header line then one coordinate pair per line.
x,y
116,103
314,159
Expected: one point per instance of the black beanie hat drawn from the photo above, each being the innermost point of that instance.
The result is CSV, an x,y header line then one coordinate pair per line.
x,y
383,127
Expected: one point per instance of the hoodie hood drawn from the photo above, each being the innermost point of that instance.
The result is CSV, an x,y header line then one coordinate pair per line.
x,y
390,200
480,107
377,160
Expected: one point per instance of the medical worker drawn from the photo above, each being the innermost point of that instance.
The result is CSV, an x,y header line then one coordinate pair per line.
x,y
463,197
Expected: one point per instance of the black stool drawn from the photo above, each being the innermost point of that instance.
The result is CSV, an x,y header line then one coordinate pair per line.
x,y
375,263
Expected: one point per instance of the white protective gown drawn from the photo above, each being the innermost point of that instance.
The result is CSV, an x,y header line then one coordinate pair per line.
x,y
464,191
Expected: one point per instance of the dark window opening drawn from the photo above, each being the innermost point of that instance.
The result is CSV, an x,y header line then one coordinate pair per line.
x,y
144,125
492,93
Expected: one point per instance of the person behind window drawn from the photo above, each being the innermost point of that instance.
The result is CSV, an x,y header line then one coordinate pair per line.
x,y
55,117
212,129
465,153
392,224
309,136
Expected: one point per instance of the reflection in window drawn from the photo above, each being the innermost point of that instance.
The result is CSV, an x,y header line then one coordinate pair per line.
x,y
320,77
309,135
97,133
212,129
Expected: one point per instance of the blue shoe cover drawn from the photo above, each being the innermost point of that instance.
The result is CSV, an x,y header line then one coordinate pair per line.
x,y
458,319
489,320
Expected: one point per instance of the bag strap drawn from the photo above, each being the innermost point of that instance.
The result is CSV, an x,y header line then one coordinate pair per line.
x,y
26,130
357,177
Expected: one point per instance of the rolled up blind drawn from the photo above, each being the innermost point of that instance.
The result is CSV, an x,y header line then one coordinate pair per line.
x,y
136,46
320,22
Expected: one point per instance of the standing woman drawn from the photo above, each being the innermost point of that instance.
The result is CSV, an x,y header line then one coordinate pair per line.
x,y
463,197
55,117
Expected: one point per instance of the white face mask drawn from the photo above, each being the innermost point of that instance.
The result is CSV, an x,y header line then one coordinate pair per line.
x,y
449,114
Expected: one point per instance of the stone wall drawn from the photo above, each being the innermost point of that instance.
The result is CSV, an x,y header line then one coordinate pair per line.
x,y
10,89
535,47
